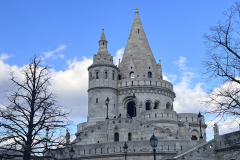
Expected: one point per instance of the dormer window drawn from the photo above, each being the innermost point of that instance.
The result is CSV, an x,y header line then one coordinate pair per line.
x,y
131,74
149,74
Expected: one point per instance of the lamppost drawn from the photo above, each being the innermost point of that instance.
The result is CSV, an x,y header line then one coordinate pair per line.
x,y
107,102
134,109
71,152
200,117
154,142
125,147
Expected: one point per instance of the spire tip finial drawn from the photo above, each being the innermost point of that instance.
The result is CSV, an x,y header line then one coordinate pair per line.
x,y
136,11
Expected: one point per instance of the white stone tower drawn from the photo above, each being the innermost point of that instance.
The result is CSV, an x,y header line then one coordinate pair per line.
x,y
102,84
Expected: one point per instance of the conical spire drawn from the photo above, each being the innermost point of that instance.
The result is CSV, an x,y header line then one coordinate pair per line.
x,y
103,56
103,36
138,49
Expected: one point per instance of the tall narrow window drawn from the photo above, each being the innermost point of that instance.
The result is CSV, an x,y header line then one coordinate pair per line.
x,y
116,137
149,74
96,100
131,74
105,75
132,83
150,83
119,77
126,84
97,75
129,136
138,30
113,76
148,105
103,43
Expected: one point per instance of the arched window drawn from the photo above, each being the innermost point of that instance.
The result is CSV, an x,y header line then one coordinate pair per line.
x,y
119,77
131,74
97,75
156,105
113,76
168,106
172,107
129,136
116,137
105,75
148,105
149,74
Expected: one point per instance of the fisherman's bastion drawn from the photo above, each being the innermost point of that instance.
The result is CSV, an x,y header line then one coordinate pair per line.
x,y
129,102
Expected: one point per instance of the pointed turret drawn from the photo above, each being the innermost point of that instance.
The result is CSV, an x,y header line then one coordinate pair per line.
x,y
138,52
103,56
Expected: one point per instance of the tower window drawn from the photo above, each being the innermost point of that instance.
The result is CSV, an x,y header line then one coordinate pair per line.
x,y
138,30
168,106
131,74
148,105
96,100
105,75
149,74
132,83
156,105
97,75
113,76
116,137
90,76
129,136
103,43
119,77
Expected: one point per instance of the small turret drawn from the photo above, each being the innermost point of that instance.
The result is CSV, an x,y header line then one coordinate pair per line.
x,y
102,56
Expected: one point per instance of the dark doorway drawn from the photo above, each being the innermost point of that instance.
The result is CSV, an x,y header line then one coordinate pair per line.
x,y
194,138
130,109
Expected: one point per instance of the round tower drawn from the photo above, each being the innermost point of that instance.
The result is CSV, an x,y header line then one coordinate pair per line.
x,y
141,75
102,84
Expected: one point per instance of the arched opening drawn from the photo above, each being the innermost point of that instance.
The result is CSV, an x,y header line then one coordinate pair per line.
x,y
156,105
119,77
168,106
116,137
97,75
113,76
149,74
131,74
148,106
129,136
130,109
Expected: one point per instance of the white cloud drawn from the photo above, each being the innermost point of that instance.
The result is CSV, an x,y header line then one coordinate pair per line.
x,y
169,77
50,54
181,63
118,55
4,56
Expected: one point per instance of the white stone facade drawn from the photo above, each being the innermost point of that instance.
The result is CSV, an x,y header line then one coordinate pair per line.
x,y
137,73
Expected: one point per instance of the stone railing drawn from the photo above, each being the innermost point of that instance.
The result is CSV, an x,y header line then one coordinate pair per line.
x,y
164,146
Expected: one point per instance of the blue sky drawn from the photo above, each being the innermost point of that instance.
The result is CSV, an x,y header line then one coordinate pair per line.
x,y
66,33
